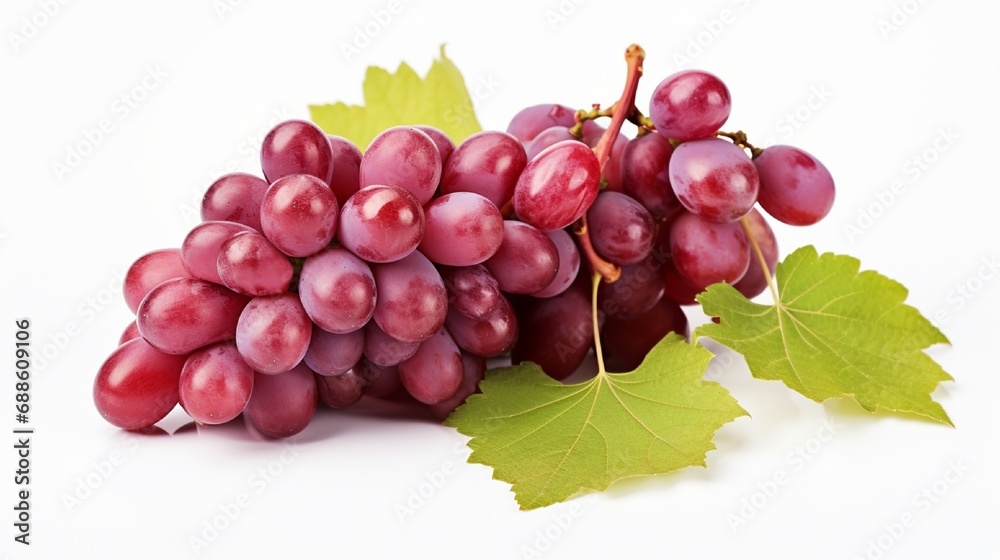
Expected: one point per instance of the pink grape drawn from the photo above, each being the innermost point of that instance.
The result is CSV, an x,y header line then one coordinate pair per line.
x,y
412,302
434,372
215,384
486,163
137,385
282,405
444,144
383,350
184,314
690,104
675,288
381,223
592,133
234,197
546,138
462,229
795,187
130,332
530,121
333,354
527,260
405,157
714,179
569,264
200,249
299,215
487,338
472,290
345,180
296,147
706,252
148,272
473,371
250,264
558,186
273,333
337,290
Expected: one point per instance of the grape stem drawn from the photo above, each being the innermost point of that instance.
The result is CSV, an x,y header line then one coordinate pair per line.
x,y
634,56
760,258
740,139
594,113
620,110
596,282
608,271
644,123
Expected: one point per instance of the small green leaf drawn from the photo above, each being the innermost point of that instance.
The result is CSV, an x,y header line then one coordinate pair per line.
x,y
440,100
550,440
834,332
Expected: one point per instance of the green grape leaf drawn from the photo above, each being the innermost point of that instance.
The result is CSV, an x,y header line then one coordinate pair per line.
x,y
551,440
404,98
834,332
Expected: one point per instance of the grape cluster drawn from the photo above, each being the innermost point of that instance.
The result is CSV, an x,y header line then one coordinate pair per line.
x,y
396,273
677,214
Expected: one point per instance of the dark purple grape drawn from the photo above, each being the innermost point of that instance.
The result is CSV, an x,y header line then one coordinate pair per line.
x,y
621,230
626,342
341,391
556,333
645,176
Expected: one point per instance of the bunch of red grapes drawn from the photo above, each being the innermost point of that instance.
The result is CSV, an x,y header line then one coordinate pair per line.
x,y
397,273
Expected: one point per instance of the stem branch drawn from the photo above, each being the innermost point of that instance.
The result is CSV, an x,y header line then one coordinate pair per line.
x,y
596,281
621,109
634,56
608,271
740,139
760,258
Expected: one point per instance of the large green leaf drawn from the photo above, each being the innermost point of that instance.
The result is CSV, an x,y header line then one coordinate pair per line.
x,y
550,440
833,332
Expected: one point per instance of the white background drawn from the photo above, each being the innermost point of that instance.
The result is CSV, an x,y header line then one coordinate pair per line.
x,y
869,98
